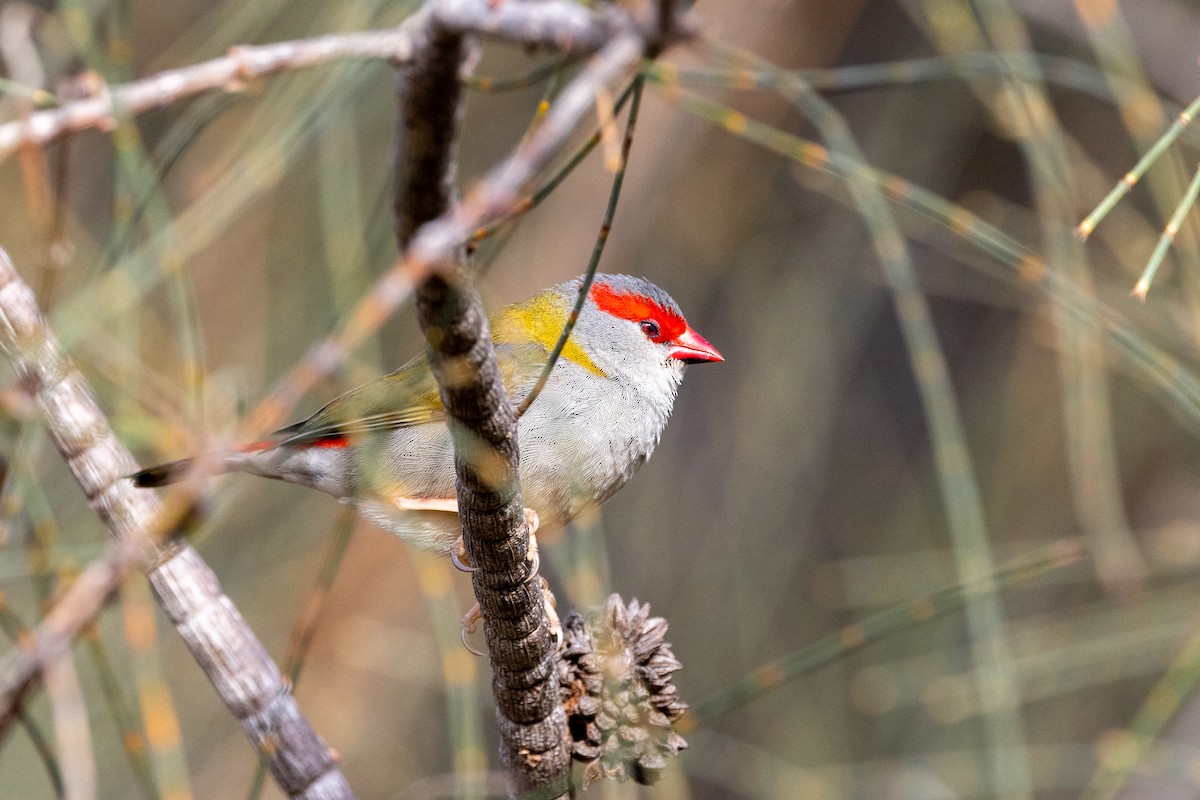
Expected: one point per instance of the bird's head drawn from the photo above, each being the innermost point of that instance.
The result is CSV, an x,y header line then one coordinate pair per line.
x,y
649,315
631,328
628,330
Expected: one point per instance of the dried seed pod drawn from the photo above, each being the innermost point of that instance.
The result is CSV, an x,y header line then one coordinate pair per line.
x,y
615,676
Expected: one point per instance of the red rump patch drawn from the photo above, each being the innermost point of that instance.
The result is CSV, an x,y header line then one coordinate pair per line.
x,y
335,441
635,308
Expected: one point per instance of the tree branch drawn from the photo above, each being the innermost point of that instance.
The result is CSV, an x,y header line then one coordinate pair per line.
x,y
223,645
432,231
23,665
228,73
561,24
483,425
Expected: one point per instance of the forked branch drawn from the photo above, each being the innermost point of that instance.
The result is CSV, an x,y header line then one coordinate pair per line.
x,y
432,230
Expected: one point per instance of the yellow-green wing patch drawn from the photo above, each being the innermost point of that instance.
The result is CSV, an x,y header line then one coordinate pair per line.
x,y
540,320
524,335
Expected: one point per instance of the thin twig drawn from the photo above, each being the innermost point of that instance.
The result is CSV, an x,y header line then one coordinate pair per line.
x,y
228,73
598,250
565,26
535,741
23,665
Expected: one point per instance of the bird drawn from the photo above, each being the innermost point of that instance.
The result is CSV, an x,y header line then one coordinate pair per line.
x,y
385,446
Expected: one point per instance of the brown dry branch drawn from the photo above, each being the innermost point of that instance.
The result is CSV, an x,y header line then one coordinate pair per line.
x,y
433,231
222,643
451,314
72,728
570,28
563,25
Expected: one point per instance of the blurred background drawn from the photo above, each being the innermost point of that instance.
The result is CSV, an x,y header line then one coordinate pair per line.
x,y
895,416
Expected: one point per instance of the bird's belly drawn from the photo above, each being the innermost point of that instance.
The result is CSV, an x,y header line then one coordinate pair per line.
x,y
573,465
568,463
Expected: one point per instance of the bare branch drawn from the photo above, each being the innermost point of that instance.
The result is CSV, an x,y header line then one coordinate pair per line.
x,y
567,27
228,73
224,646
430,113
535,741
532,723
563,25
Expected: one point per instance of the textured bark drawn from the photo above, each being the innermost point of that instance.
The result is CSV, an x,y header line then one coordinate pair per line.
x,y
431,229
223,645
535,744
483,425
430,93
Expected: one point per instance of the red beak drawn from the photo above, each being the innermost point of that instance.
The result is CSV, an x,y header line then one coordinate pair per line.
x,y
692,348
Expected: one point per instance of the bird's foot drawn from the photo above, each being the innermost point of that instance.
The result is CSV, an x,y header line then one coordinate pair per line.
x,y
531,554
462,562
469,622
459,558
552,618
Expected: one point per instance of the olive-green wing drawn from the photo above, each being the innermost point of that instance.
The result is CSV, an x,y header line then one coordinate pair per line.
x,y
406,397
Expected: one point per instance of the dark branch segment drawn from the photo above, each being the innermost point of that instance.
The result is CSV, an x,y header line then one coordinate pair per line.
x,y
531,721
431,229
430,114
532,724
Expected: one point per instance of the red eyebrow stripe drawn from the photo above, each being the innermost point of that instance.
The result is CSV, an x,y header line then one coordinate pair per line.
x,y
635,307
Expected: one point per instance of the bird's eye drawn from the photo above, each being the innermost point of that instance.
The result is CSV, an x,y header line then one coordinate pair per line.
x,y
650,328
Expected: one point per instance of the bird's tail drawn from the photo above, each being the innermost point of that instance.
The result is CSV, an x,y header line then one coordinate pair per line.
x,y
163,473
214,464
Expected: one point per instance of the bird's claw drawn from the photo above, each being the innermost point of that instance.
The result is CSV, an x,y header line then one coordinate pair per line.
x,y
469,621
531,555
462,562
554,624
458,556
